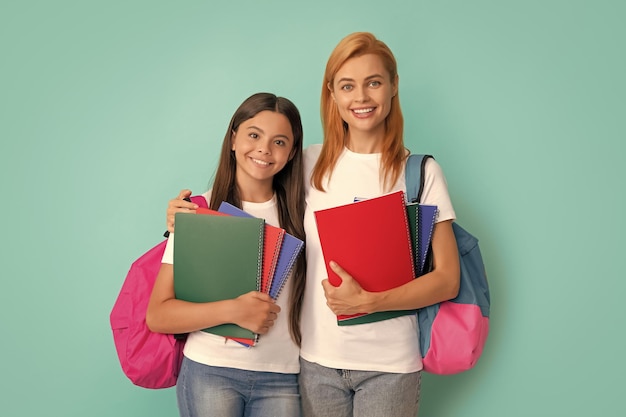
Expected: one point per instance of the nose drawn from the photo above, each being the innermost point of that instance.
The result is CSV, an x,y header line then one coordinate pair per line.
x,y
263,147
361,95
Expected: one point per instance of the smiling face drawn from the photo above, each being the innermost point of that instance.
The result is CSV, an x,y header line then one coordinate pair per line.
x,y
262,146
363,89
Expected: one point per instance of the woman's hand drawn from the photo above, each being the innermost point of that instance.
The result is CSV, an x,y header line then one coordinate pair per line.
x,y
179,205
349,297
256,311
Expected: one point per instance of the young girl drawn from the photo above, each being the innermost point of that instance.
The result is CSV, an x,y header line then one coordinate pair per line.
x,y
370,369
260,171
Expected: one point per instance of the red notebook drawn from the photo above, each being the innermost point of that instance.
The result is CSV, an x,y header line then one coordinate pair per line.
x,y
371,240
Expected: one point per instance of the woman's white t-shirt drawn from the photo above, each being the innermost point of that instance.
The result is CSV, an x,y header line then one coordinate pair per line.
x,y
385,346
275,351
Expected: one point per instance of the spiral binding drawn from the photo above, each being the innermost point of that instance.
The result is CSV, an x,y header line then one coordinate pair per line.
x,y
424,250
259,262
274,261
408,230
288,270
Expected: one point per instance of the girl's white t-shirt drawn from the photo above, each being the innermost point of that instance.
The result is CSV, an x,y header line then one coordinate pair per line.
x,y
385,346
275,351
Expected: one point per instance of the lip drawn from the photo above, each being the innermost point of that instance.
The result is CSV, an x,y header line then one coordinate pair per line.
x,y
360,112
260,163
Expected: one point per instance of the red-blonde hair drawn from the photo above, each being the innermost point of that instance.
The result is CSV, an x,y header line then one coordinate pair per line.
x,y
335,129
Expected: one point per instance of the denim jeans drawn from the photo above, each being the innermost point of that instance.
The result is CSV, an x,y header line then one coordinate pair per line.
x,y
211,391
328,392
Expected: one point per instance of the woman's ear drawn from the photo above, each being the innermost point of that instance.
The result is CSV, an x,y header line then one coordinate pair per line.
x,y
330,88
232,140
395,85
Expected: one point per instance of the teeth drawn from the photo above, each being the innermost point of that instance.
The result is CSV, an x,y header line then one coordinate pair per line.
x,y
258,161
362,111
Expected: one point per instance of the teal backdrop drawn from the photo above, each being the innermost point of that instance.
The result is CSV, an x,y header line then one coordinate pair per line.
x,y
108,108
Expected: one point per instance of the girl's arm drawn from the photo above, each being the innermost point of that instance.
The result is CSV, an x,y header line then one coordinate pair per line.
x,y
254,311
179,205
441,284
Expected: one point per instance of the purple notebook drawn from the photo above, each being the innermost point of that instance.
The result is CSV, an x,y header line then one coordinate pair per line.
x,y
289,251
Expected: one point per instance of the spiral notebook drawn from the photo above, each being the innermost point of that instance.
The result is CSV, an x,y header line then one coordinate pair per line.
x,y
288,252
273,240
422,220
217,258
371,240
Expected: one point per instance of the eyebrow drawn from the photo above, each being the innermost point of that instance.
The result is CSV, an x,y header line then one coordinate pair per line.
x,y
366,78
257,128
263,132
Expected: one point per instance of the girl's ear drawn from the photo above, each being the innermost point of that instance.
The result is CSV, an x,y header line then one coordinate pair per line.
x,y
232,140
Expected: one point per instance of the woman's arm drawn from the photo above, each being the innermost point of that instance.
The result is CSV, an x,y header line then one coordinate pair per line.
x,y
254,311
441,284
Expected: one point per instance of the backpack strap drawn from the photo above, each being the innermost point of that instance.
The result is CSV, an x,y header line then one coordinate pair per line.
x,y
415,168
199,200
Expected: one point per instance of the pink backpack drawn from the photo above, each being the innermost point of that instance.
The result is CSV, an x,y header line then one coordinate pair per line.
x,y
148,359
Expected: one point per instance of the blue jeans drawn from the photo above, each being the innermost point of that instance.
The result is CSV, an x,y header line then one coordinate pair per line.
x,y
207,391
328,392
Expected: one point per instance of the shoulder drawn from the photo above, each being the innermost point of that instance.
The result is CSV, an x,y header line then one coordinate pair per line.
x,y
311,153
432,168
436,190
207,196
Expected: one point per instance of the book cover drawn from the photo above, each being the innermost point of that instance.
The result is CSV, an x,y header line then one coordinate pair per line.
x,y
217,258
273,239
288,252
371,240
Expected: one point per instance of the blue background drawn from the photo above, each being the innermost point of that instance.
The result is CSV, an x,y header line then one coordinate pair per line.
x,y
107,109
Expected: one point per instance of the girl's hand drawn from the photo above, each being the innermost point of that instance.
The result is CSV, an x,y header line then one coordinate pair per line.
x,y
256,311
348,297
179,205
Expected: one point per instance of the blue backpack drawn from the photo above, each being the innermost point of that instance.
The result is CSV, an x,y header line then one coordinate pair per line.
x,y
453,333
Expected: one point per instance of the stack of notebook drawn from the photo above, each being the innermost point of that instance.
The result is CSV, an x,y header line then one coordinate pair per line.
x,y
381,242
223,254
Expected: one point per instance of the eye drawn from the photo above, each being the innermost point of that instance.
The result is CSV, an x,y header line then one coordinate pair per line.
x,y
280,142
375,84
254,135
346,87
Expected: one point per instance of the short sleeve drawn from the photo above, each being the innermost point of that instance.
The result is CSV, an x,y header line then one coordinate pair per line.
x,y
436,191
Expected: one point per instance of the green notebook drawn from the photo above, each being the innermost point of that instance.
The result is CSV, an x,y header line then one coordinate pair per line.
x,y
412,216
422,219
217,258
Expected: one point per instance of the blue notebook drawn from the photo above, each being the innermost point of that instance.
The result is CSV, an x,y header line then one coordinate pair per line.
x,y
289,251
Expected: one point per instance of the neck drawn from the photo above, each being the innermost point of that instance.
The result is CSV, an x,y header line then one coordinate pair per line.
x,y
365,142
259,194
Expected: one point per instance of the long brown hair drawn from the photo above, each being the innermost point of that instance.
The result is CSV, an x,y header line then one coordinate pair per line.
x,y
287,184
335,129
